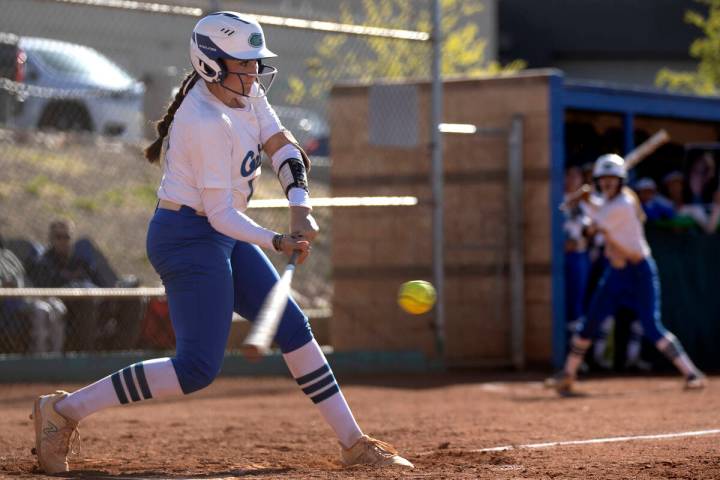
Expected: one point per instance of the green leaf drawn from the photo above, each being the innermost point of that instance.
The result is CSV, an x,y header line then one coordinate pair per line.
x,y
343,58
706,77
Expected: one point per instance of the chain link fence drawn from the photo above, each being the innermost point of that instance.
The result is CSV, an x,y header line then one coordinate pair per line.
x,y
81,83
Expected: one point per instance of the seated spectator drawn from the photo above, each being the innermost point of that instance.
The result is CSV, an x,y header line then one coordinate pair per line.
x,y
35,325
686,215
701,181
654,205
59,267
92,323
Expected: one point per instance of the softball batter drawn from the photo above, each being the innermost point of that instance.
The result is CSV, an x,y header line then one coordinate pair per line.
x,y
630,280
207,251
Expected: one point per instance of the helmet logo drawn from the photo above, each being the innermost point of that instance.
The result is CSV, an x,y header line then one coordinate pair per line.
x,y
255,40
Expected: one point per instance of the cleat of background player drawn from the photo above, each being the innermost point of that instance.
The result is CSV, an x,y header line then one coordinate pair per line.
x,y
370,451
696,382
54,433
561,382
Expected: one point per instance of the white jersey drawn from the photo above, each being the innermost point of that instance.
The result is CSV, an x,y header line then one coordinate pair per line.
x,y
211,157
618,218
211,145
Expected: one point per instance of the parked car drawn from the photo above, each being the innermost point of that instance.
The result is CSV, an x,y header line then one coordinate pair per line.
x,y
12,68
82,90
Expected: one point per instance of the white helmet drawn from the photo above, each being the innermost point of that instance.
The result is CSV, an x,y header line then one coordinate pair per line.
x,y
229,35
609,165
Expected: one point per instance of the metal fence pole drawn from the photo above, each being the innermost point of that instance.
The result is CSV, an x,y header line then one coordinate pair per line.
x,y
437,178
515,240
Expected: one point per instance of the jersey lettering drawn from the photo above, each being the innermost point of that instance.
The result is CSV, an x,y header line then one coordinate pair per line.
x,y
250,163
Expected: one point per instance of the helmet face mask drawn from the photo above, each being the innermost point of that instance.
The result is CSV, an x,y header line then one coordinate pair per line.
x,y
609,185
231,36
253,85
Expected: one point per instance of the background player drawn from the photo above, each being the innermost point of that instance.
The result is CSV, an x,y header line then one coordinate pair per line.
x,y
206,250
630,280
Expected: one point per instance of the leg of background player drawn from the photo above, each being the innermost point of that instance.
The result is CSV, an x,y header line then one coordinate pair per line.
x,y
647,291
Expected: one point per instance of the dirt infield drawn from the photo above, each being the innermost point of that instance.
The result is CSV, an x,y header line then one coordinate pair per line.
x,y
265,428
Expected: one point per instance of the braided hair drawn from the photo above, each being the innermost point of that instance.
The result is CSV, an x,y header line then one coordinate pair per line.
x,y
152,152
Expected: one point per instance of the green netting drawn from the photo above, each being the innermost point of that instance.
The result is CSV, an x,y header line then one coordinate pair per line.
x,y
689,265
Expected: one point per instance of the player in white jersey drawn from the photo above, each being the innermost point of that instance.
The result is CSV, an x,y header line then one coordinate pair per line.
x,y
630,280
206,249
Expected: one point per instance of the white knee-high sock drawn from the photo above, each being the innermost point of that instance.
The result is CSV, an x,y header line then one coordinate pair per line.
x,y
671,347
310,369
141,381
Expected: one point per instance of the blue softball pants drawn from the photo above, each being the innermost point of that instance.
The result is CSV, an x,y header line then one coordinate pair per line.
x,y
636,287
207,276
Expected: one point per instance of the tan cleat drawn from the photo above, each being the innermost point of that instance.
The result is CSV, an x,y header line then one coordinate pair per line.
x,y
562,383
696,381
54,433
370,451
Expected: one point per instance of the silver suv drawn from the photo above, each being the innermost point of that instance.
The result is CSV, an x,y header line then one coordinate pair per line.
x,y
70,87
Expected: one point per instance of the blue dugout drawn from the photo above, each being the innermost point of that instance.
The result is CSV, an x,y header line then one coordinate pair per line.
x,y
630,104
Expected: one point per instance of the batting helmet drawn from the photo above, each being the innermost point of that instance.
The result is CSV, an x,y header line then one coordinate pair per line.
x,y
229,35
609,165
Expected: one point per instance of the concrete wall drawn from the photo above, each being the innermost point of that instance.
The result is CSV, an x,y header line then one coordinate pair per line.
x,y
376,249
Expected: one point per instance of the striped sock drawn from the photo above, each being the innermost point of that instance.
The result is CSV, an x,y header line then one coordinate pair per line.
x,y
578,348
312,373
134,380
671,347
319,384
141,381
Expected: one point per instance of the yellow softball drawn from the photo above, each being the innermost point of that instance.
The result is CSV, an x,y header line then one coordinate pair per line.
x,y
416,296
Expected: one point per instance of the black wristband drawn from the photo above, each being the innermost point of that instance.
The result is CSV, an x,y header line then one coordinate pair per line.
x,y
294,175
277,242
